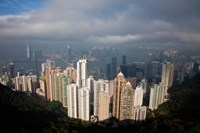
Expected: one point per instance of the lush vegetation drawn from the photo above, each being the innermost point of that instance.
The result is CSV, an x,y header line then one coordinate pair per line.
x,y
22,113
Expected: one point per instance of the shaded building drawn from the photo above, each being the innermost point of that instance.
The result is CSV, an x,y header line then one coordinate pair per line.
x,y
4,70
113,67
108,71
124,60
167,76
140,113
124,70
11,69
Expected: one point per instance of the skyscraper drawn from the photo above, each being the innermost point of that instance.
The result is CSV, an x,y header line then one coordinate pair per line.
x,y
69,54
83,103
113,67
167,75
108,71
12,69
123,99
72,100
48,91
28,51
99,86
156,96
81,73
138,98
103,106
90,85
124,60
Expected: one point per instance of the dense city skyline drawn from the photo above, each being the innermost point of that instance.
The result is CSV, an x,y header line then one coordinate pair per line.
x,y
109,64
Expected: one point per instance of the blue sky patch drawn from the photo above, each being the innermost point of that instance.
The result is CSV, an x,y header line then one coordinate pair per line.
x,y
19,6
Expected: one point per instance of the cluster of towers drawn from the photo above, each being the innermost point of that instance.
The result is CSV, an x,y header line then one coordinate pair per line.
x,y
85,97
119,96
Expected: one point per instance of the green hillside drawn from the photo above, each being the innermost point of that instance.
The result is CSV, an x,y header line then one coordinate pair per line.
x,y
20,112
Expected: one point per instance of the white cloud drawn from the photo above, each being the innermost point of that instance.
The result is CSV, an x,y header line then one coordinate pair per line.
x,y
96,21
115,39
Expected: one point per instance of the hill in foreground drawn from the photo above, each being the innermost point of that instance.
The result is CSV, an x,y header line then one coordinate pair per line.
x,y
20,112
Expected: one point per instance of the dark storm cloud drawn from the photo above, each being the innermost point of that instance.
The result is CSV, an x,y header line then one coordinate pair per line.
x,y
106,22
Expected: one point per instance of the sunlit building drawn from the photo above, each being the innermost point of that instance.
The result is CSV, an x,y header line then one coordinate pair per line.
x,y
156,96
72,100
81,73
123,99
83,103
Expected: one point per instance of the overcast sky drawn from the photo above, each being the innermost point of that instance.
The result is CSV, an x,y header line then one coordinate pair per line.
x,y
100,22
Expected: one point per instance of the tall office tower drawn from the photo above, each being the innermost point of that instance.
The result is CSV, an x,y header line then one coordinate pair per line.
x,y
28,51
90,85
68,54
140,113
124,60
123,99
103,86
72,100
124,70
131,70
113,67
156,96
81,73
167,75
12,69
138,99
83,103
108,71
104,101
153,69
